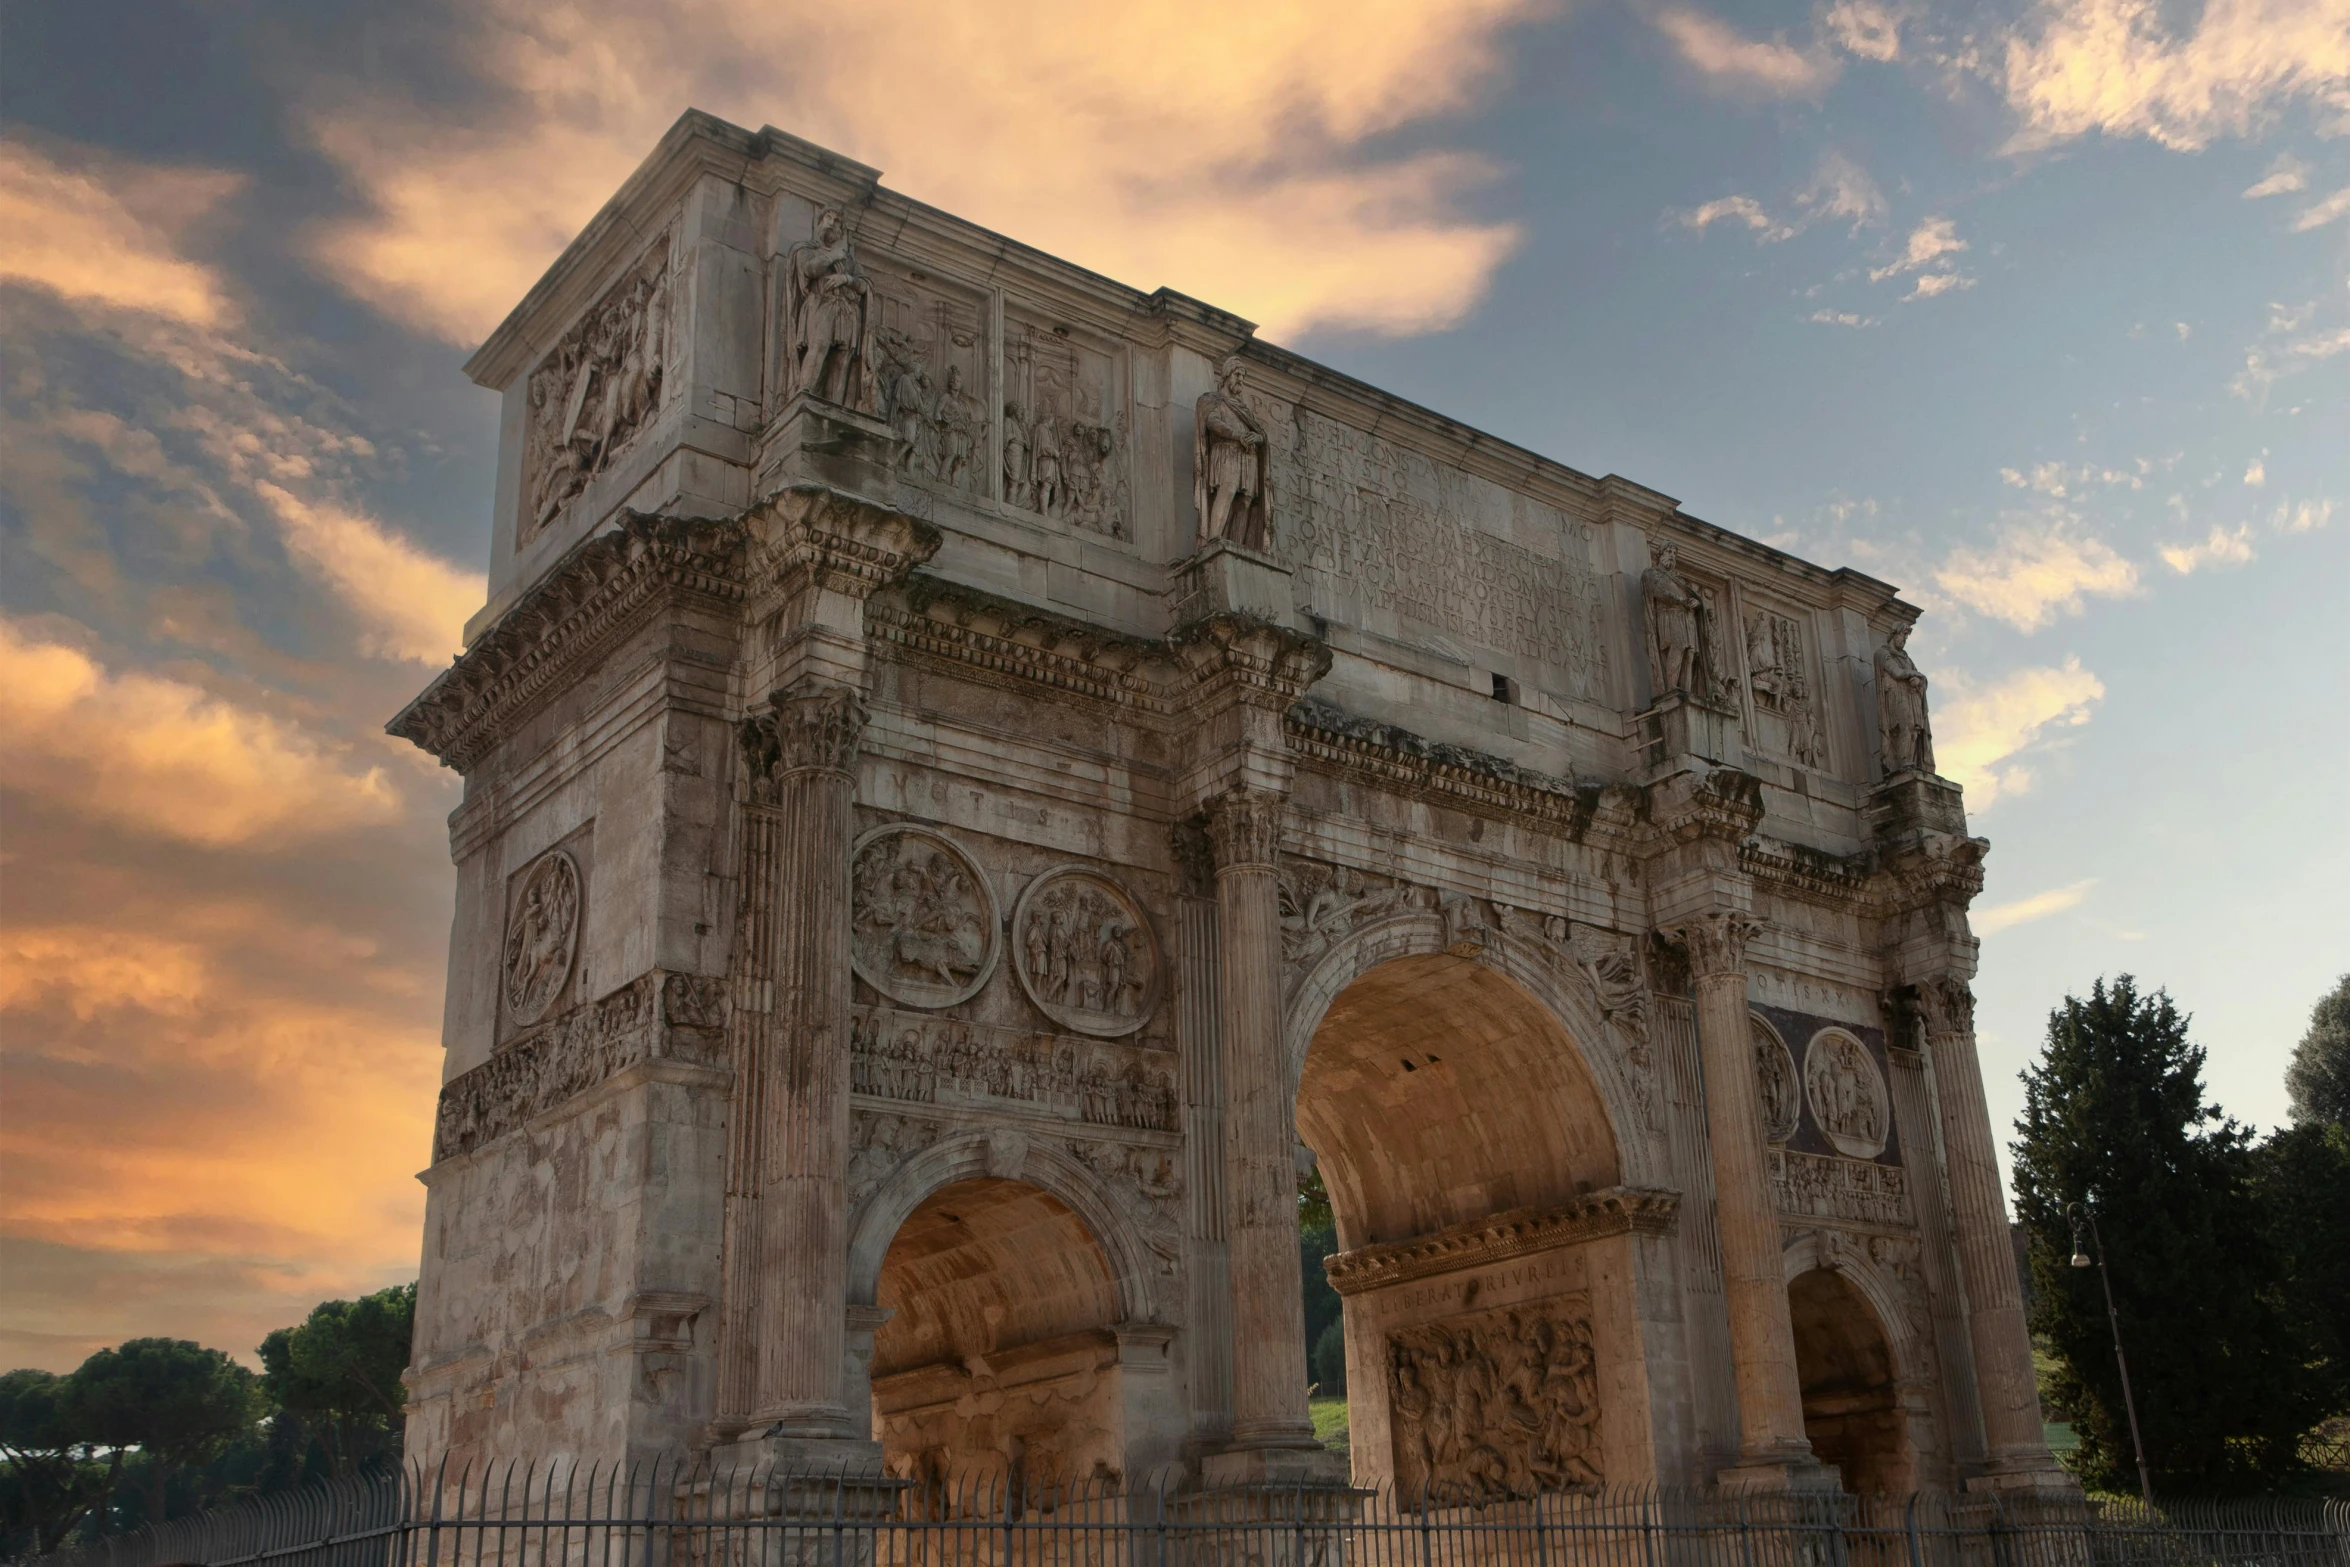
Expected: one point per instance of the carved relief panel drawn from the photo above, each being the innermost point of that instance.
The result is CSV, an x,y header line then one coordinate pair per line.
x,y
543,914
924,928
1781,684
918,1059
595,389
930,377
1064,452
1083,951
1497,1404
1774,1076
1847,1094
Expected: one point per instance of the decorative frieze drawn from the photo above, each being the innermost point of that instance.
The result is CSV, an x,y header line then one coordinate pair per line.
x,y
1495,1405
657,1017
1518,1232
597,387
920,1059
1821,1187
1321,904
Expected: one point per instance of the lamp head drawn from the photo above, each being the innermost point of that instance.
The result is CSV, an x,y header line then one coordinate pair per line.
x,y
2080,1259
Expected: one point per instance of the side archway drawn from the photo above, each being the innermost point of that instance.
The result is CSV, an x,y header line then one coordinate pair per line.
x,y
1849,1361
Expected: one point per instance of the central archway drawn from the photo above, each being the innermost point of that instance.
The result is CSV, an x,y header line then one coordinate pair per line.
x,y
1486,1263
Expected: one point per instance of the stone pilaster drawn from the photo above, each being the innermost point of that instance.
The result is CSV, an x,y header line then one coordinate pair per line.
x,y
1772,1449
1260,1173
2017,1447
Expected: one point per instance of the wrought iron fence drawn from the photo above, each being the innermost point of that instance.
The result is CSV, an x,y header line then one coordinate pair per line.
x,y
685,1515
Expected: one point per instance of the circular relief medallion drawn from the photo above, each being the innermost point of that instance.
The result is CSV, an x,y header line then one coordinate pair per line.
x,y
542,935
1774,1078
1847,1093
923,924
1084,953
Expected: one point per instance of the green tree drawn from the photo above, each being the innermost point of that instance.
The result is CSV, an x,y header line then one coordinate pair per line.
x,y
2301,1187
177,1402
339,1373
2318,1079
2115,1118
52,1478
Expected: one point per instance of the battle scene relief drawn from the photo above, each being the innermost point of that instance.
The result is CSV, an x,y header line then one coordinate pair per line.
x,y
1500,1404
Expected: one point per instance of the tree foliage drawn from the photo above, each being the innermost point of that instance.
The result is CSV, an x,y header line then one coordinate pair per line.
x,y
2318,1079
53,1479
2115,1118
339,1374
177,1402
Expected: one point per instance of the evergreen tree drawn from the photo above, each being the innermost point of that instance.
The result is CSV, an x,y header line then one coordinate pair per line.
x,y
339,1374
50,1479
2318,1080
2115,1118
177,1402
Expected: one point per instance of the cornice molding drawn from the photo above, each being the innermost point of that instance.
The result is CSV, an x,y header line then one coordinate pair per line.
x,y
1011,644
607,587
1327,739
1619,1210
812,535
1241,658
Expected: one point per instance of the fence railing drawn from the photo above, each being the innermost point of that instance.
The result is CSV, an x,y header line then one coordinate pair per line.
x,y
687,1515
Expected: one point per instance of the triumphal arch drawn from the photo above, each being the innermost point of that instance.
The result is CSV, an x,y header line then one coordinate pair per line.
x,y
975,777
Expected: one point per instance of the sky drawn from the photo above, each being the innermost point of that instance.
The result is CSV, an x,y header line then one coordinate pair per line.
x,y
2039,309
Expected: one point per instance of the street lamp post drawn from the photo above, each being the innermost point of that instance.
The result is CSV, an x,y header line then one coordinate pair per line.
x,y
2080,1214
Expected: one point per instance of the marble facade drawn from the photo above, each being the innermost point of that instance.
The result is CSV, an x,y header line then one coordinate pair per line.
x,y
974,775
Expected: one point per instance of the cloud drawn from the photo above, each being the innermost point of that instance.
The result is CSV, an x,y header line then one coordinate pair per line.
x,y
1980,734
1840,189
1741,210
106,231
2059,480
1844,318
2319,214
2294,340
2006,916
2120,68
1928,244
162,756
414,605
1218,149
2286,175
2306,517
1939,283
2220,548
2035,572
1866,29
2256,471
1728,59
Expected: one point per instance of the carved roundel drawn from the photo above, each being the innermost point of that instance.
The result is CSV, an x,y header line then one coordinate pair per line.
x,y
1084,953
924,926
1847,1093
1774,1080
542,935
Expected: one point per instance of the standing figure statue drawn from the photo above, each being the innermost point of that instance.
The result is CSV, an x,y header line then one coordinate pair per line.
x,y
1674,610
829,317
1901,708
1232,479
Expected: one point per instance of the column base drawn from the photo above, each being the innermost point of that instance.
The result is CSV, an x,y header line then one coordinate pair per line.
x,y
1253,1467
2037,1475
836,1457
1778,1472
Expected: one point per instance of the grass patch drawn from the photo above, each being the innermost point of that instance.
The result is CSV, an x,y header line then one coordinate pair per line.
x,y
1329,1421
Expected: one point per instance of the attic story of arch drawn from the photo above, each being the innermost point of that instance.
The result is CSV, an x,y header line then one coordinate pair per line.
x,y
972,772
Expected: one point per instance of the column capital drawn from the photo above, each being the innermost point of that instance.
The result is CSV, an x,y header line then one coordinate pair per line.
x,y
1716,942
1244,828
1948,1003
806,727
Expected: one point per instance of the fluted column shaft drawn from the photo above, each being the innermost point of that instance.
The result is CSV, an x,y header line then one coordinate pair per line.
x,y
1754,1281
1260,1171
1995,1308
787,1264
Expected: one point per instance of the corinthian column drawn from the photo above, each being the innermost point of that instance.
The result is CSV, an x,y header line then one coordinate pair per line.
x,y
1260,1171
2017,1448
1772,1449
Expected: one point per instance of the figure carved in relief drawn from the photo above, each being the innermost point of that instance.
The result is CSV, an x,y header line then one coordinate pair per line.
x,y
1229,452
957,421
542,934
1774,1078
1901,707
921,926
1847,1094
1501,1405
1084,957
1674,610
831,316
597,388
1019,490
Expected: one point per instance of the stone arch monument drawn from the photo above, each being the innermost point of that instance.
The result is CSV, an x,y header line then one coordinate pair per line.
x,y
970,768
